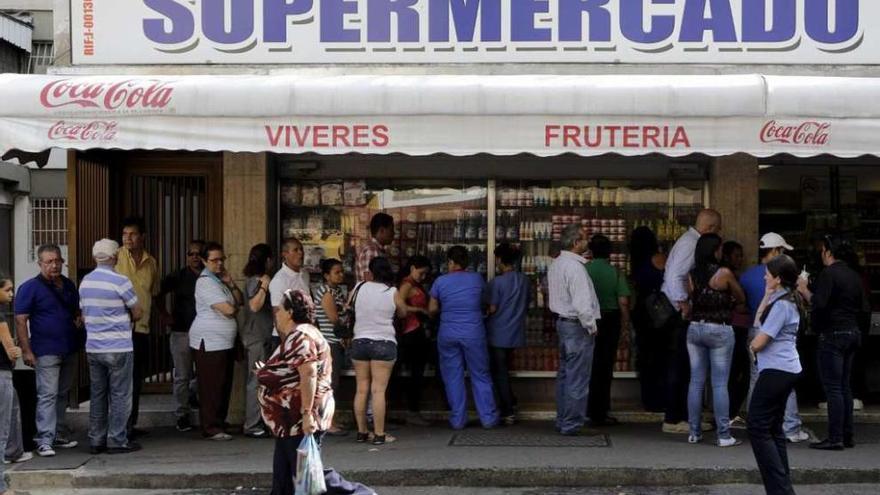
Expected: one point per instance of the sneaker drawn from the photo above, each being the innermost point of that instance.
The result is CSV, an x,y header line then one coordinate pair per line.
x,y
681,428
729,442
221,437
24,457
738,423
383,439
416,419
858,405
261,433
509,420
800,436
63,443
45,451
184,424
695,438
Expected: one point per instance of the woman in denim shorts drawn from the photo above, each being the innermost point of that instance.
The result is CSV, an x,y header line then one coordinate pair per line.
x,y
374,348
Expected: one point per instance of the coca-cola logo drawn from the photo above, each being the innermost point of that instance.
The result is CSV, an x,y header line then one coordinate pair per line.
x,y
807,133
128,95
96,130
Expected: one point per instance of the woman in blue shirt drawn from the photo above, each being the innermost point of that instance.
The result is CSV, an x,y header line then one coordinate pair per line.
x,y
779,367
461,339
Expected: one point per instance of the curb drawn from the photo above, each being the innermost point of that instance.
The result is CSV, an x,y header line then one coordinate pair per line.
x,y
532,477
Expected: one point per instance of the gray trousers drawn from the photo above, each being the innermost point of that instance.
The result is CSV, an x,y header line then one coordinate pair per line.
x,y
183,375
10,423
256,351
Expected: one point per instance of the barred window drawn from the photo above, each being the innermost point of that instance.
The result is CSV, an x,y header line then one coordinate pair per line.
x,y
48,223
42,55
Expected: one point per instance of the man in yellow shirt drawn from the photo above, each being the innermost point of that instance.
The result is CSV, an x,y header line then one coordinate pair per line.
x,y
142,269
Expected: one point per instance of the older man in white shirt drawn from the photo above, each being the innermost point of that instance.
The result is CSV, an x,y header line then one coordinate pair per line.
x,y
290,276
573,299
675,287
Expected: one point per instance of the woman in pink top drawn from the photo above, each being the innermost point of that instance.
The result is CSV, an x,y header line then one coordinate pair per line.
x,y
414,341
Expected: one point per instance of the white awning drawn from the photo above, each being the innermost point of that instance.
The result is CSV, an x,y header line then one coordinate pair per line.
x,y
456,114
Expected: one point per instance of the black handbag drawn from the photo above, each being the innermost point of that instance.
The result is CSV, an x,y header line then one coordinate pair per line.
x,y
344,327
659,309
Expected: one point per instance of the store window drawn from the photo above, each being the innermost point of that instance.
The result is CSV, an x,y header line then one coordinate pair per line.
x,y
332,219
533,214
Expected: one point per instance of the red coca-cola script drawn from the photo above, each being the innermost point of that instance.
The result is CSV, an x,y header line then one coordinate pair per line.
x,y
131,94
96,130
807,133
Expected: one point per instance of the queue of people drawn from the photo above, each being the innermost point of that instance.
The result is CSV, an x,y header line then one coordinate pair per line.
x,y
697,315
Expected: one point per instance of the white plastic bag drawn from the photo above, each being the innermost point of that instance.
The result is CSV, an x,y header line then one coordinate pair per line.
x,y
309,478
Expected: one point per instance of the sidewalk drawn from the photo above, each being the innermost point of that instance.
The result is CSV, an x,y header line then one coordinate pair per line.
x,y
634,455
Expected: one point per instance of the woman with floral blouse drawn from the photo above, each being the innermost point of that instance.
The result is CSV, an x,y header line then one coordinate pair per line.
x,y
295,390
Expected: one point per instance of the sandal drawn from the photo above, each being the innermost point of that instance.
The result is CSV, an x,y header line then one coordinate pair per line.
x,y
362,437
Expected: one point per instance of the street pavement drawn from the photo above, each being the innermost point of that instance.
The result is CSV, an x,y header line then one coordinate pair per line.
x,y
636,455
863,489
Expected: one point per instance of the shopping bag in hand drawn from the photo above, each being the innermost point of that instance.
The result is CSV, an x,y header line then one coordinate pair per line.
x,y
309,468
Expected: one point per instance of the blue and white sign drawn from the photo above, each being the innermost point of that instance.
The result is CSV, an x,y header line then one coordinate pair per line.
x,y
475,31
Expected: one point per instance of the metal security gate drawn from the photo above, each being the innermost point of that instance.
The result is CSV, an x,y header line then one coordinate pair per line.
x,y
179,200
179,195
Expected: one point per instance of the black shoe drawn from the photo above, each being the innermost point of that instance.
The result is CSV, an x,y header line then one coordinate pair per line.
x,y
184,424
607,421
97,449
137,433
362,437
849,443
125,449
827,445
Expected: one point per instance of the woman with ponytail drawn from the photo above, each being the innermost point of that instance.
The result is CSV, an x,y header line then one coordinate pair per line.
x,y
774,350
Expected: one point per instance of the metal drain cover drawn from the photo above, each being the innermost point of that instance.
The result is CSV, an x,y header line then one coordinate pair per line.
x,y
507,438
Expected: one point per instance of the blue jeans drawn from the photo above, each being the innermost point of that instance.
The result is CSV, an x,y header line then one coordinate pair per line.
x,y
454,355
10,421
111,390
573,379
54,378
710,345
791,423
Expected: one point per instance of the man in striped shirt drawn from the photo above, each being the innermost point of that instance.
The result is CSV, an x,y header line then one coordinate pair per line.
x,y
109,307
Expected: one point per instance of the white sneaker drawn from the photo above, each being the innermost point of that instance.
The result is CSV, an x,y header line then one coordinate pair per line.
x,y
63,443
800,436
45,451
858,405
728,442
221,437
695,438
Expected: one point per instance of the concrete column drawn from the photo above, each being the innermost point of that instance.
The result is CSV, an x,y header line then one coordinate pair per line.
x,y
245,223
733,191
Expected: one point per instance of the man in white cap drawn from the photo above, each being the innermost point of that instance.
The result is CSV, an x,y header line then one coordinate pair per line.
x,y
752,281
110,307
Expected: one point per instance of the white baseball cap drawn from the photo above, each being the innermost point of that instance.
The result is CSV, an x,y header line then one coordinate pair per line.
x,y
105,249
772,240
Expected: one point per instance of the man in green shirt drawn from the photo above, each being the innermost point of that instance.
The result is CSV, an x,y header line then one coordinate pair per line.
x,y
613,293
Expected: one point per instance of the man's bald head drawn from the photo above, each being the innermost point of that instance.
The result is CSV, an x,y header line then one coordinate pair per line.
x,y
708,222
292,253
